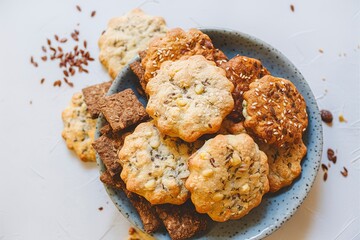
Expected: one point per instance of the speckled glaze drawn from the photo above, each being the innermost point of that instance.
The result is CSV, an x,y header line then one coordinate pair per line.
x,y
276,208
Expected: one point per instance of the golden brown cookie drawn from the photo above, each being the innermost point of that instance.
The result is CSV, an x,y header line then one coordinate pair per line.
x,y
79,128
228,177
284,163
174,45
242,71
189,98
275,111
127,35
155,165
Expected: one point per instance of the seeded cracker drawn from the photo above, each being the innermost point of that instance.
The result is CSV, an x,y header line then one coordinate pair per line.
x,y
127,35
274,111
107,146
228,177
174,45
155,165
284,163
92,96
189,98
139,72
242,71
181,221
79,128
122,109
146,212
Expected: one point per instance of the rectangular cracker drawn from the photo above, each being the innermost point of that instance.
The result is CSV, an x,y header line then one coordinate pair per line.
x,y
93,94
122,109
139,71
181,221
107,146
146,212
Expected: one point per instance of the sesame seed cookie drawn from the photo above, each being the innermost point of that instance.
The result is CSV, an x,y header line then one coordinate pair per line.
x,y
176,44
242,71
274,111
127,35
228,177
155,165
189,98
284,163
79,128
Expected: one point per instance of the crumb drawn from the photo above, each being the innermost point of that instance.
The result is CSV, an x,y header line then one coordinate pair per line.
x,y
30,102
331,155
292,8
321,50
341,118
101,208
324,79
326,116
344,172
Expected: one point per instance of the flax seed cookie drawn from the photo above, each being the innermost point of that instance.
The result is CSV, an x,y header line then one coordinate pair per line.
x,y
284,163
274,111
242,71
228,177
127,35
174,45
189,98
79,128
155,165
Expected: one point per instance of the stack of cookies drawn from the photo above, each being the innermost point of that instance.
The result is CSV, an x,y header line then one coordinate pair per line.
x,y
216,135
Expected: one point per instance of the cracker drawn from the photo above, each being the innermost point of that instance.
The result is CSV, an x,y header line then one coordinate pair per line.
x,y
189,98
220,57
122,110
182,222
93,94
107,146
284,163
148,216
127,35
274,111
228,177
79,128
242,71
155,165
139,72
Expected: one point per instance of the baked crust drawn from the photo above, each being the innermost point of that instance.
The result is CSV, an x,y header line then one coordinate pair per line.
x,y
275,111
228,177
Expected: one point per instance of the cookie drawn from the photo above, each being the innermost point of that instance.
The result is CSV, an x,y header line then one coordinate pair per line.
x,y
122,109
284,163
174,45
242,71
79,128
228,126
108,146
220,57
147,213
127,35
274,111
135,234
92,95
228,177
189,98
182,221
155,165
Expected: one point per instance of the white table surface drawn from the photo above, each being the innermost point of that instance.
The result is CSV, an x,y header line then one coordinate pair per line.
x,y
47,193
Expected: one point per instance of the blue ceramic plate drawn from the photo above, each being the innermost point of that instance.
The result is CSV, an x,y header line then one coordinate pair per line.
x,y
277,208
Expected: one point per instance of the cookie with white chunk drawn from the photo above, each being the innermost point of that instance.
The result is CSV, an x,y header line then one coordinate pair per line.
x,y
79,128
228,177
189,98
155,165
284,163
274,111
127,35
